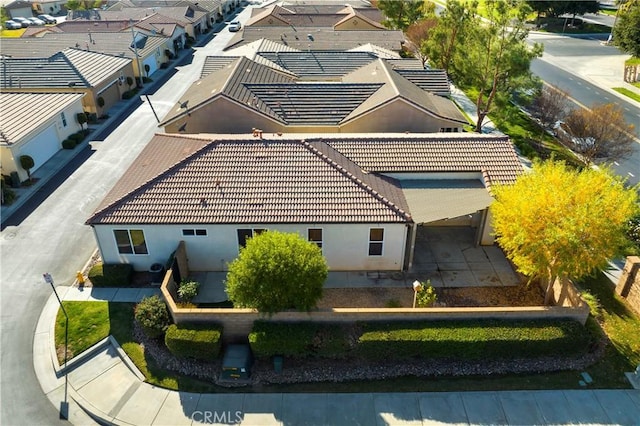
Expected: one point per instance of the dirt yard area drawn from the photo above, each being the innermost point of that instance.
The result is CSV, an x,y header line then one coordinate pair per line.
x,y
447,297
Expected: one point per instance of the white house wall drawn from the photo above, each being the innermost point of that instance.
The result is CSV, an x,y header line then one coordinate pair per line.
x,y
345,246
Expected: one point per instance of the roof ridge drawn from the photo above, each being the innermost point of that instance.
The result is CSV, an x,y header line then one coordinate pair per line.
x,y
362,184
73,66
144,185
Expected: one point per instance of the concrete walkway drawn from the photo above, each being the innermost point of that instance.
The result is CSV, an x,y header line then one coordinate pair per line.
x,y
103,386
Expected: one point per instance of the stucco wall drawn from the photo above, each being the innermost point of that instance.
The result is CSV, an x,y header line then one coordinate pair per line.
x,y
345,246
628,286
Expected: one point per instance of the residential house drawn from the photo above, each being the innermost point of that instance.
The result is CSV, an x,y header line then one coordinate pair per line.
x,y
19,8
340,17
35,124
361,197
148,51
96,75
49,7
312,92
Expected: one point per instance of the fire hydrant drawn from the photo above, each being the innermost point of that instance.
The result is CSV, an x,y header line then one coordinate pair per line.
x,y
80,278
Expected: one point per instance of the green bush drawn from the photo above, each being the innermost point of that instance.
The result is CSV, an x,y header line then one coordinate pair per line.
x,y
111,275
486,339
151,313
77,137
426,295
302,339
187,290
69,143
194,341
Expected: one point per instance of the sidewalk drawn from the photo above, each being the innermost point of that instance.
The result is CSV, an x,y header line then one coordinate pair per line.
x,y
103,386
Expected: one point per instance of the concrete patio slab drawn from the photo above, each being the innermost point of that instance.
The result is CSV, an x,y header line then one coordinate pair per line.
x,y
126,295
111,389
458,279
483,408
99,362
219,408
635,397
487,278
617,408
443,408
397,409
555,407
475,254
304,409
452,266
585,407
520,408
177,409
142,407
508,277
263,409
101,294
350,409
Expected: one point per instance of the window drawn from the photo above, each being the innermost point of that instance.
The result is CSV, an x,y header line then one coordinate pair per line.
x,y
245,234
130,241
192,232
315,235
376,238
64,119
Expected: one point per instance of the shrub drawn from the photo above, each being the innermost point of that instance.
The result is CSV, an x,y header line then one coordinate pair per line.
x,y
8,195
147,79
487,339
111,275
82,118
187,290
76,137
194,341
128,94
100,101
426,295
164,65
151,313
92,118
69,143
303,339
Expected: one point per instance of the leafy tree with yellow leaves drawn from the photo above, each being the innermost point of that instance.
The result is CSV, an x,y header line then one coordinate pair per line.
x,y
560,223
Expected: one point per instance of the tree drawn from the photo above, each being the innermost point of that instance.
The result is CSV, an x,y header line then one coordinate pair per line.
x,y
400,14
129,82
580,7
450,33
558,222
82,118
277,271
496,57
600,133
27,163
626,32
418,34
550,105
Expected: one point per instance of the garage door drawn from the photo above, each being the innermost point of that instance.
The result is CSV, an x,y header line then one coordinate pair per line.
x,y
153,66
42,147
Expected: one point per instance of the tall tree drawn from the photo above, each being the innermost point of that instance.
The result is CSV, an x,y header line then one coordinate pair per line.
x,y
580,7
448,37
557,222
495,59
418,33
277,271
400,14
600,133
27,163
550,105
626,32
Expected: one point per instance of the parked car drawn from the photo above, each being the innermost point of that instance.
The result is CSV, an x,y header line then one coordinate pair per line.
x,y
235,26
36,21
48,19
23,21
12,25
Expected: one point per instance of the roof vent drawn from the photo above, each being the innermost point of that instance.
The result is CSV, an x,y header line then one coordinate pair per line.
x,y
203,202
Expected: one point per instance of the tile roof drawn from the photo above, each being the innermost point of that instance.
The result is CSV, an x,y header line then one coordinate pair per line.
x,y
324,38
72,67
248,181
110,43
84,26
23,112
215,63
319,65
434,81
462,152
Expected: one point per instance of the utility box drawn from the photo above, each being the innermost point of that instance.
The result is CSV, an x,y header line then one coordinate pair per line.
x,y
237,362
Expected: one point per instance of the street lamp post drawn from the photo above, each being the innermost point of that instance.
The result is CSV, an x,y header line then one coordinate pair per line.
x,y
64,405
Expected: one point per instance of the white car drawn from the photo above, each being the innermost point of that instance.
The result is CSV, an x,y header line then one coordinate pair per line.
x,y
235,26
22,21
36,21
12,25
48,19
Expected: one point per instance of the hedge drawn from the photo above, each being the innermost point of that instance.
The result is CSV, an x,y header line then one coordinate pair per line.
x,y
69,144
465,340
194,341
111,275
302,339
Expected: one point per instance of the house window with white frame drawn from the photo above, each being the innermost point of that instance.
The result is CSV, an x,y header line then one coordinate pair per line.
x,y
194,232
315,236
130,241
64,119
376,241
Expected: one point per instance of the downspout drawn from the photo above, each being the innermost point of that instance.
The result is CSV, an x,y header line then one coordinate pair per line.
x,y
412,229
481,227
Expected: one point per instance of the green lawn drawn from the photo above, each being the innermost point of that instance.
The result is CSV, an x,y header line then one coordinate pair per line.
x,y
628,93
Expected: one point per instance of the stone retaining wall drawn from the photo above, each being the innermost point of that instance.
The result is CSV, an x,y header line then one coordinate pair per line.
x,y
628,286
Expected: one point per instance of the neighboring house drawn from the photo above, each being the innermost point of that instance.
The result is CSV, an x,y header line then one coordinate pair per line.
x,y
158,24
19,8
361,198
49,7
35,124
339,17
71,71
150,49
366,94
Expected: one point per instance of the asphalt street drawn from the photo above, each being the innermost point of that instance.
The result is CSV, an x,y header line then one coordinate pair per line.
x,y
52,238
